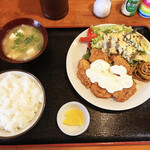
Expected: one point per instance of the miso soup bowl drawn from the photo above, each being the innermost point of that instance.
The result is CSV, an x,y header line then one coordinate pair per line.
x,y
17,22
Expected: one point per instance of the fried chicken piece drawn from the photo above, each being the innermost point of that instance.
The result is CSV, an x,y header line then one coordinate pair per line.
x,y
118,60
100,92
83,65
98,54
125,94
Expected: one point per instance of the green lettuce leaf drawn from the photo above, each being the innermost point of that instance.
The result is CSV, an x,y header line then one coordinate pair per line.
x,y
111,29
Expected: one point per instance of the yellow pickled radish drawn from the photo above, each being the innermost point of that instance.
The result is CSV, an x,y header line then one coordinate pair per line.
x,y
73,121
74,117
75,112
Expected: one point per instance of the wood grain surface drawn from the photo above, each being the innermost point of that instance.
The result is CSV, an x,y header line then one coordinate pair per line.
x,y
116,147
80,15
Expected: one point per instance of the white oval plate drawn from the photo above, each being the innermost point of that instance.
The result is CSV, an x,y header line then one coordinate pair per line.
x,y
75,53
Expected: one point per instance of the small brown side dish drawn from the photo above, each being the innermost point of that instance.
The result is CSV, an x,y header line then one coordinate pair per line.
x,y
13,29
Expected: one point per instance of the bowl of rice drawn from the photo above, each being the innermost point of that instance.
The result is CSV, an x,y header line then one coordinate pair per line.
x,y
22,102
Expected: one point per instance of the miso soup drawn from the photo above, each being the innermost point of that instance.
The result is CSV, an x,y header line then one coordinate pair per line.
x,y
22,43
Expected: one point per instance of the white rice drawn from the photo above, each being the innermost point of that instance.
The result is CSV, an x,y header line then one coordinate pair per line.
x,y
20,99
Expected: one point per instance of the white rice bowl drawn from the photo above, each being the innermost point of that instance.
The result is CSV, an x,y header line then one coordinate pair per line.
x,y
22,102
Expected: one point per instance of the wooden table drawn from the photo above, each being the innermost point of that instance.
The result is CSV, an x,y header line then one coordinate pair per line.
x,y
92,147
80,15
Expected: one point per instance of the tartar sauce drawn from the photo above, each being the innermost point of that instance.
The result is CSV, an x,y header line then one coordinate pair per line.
x,y
112,78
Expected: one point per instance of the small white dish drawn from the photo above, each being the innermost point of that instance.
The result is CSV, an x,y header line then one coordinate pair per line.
x,y
72,130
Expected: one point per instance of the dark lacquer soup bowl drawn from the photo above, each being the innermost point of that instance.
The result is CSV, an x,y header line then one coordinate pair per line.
x,y
21,41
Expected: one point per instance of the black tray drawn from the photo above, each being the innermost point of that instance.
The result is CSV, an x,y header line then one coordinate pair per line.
x,y
105,126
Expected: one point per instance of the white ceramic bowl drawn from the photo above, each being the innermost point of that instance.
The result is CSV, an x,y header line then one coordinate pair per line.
x,y
72,130
5,134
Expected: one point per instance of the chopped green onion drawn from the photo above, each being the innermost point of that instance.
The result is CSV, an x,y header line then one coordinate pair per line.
x,y
36,39
39,46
